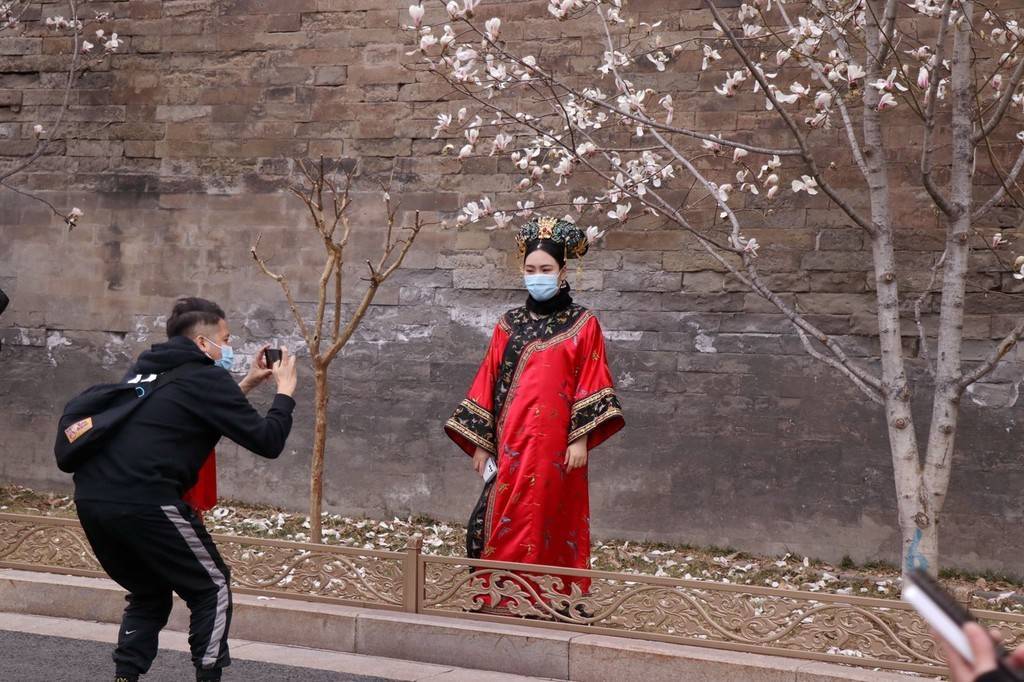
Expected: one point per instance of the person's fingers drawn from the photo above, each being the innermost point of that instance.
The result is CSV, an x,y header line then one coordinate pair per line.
x,y
1016,659
982,646
959,669
261,356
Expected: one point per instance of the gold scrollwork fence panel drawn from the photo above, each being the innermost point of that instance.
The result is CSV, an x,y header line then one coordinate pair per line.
x,y
258,566
861,631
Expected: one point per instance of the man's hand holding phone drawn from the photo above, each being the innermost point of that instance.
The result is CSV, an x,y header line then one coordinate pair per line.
x,y
285,373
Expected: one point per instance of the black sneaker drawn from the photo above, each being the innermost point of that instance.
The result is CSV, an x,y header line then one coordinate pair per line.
x,y
126,677
211,675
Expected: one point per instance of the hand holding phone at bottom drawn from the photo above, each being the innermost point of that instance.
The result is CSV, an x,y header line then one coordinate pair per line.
x,y
986,663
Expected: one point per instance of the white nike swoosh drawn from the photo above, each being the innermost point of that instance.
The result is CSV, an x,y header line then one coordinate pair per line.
x,y
128,632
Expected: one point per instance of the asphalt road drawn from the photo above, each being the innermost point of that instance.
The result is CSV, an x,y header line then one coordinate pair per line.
x,y
40,658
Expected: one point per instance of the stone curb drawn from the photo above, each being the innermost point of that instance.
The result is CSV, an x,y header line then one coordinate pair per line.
x,y
519,650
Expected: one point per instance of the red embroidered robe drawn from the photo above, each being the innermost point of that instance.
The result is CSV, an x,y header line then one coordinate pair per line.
x,y
543,384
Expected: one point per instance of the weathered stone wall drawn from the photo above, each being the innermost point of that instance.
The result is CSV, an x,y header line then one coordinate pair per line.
x,y
182,147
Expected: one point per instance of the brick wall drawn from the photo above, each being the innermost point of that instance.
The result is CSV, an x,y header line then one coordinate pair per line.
x,y
182,145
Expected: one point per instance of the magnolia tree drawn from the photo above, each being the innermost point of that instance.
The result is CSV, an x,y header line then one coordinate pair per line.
x,y
88,44
327,196
863,72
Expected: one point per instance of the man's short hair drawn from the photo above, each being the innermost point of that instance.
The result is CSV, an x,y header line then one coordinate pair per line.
x,y
190,313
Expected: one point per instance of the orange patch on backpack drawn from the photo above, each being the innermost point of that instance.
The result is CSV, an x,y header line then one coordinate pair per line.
x,y
78,429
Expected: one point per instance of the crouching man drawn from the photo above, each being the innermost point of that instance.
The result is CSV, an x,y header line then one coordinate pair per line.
x,y
129,495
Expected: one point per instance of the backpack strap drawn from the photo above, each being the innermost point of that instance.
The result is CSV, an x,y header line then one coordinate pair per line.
x,y
148,383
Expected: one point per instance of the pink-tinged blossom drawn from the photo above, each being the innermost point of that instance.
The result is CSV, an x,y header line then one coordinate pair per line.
x,y
886,101
38,130
782,56
416,12
998,240
738,153
580,204
923,79
823,100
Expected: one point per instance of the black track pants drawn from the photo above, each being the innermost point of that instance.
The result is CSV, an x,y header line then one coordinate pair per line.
x,y
151,551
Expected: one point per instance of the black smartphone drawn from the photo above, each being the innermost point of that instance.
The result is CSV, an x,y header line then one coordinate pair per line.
x,y
946,616
272,356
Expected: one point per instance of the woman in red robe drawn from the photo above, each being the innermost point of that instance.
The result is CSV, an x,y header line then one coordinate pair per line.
x,y
542,399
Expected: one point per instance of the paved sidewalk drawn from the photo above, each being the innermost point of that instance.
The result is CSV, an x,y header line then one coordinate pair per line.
x,y
40,648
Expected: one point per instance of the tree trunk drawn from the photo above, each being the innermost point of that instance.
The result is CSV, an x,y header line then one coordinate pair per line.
x,y
316,470
899,418
948,358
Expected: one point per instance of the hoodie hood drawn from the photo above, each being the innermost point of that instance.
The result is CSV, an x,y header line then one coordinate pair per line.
x,y
166,356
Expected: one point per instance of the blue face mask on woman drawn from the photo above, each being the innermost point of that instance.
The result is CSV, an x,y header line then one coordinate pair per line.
x,y
542,287
227,356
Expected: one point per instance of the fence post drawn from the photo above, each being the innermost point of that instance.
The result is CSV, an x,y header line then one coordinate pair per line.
x,y
411,571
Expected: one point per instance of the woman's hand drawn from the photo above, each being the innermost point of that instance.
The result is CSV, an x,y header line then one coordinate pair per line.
x,y
480,457
576,455
258,371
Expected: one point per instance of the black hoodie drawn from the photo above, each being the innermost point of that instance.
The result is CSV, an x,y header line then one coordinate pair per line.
x,y
156,455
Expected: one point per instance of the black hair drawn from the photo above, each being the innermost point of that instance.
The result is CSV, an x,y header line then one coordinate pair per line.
x,y
548,246
191,312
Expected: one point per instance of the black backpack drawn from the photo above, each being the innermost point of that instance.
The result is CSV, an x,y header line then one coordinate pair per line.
x,y
95,413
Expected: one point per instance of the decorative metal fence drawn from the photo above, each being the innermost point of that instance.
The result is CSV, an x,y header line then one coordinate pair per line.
x,y
877,633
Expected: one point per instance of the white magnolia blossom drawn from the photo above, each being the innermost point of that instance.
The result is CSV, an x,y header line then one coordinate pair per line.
x,y
502,219
728,88
444,121
502,141
492,28
474,211
998,240
594,234
805,184
620,212
1018,267
577,133
525,209
38,129
710,55
741,243
715,147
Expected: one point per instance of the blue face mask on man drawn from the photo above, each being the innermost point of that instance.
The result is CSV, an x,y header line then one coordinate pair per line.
x,y
227,356
542,287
